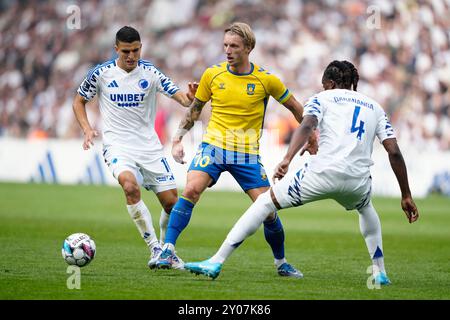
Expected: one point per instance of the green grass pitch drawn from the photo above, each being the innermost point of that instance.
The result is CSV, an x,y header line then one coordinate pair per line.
x,y
322,240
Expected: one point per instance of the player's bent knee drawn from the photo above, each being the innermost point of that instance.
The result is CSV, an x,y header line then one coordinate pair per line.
x,y
192,193
131,189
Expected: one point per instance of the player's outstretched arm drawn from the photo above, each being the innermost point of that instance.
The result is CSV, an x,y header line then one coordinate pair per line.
x,y
79,109
399,168
299,138
295,107
186,124
186,98
297,110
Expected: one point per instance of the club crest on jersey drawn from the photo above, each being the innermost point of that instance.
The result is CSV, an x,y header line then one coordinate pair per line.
x,y
222,86
143,84
251,89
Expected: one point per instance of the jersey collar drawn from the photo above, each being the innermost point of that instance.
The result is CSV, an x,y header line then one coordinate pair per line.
x,y
124,71
241,74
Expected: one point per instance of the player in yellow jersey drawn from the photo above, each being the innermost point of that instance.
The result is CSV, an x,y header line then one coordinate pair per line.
x,y
239,91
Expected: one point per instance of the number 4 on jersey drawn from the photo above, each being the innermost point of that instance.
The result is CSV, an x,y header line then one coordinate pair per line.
x,y
360,128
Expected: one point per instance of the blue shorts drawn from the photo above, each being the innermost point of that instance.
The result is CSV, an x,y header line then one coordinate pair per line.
x,y
245,168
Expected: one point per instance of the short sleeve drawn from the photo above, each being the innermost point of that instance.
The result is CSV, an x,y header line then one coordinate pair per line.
x,y
204,87
164,84
278,90
89,86
384,127
314,107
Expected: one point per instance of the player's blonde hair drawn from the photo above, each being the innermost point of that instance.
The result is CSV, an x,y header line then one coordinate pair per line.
x,y
245,32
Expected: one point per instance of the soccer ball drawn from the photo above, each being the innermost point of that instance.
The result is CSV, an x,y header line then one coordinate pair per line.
x,y
78,249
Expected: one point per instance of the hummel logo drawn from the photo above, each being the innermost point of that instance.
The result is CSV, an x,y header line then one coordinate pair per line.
x,y
221,85
113,84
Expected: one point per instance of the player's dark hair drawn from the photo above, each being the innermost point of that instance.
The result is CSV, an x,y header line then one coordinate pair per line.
x,y
354,75
127,34
343,73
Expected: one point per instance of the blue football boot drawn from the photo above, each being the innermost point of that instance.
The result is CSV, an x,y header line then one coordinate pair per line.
x,y
287,270
206,268
382,279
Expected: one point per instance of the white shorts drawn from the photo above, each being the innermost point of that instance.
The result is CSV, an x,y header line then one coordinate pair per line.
x,y
306,186
153,173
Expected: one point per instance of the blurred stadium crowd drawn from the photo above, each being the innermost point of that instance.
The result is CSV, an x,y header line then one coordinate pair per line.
x,y
403,57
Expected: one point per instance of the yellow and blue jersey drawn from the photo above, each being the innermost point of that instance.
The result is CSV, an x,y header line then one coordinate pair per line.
x,y
238,103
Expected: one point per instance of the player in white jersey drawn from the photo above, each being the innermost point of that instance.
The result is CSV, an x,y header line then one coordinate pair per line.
x,y
126,88
348,123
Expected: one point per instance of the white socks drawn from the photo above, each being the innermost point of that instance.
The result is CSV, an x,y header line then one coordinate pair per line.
x,y
223,253
370,227
279,262
163,222
143,221
169,246
249,222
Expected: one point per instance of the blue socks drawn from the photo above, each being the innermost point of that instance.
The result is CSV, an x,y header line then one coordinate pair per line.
x,y
274,234
179,219
181,214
